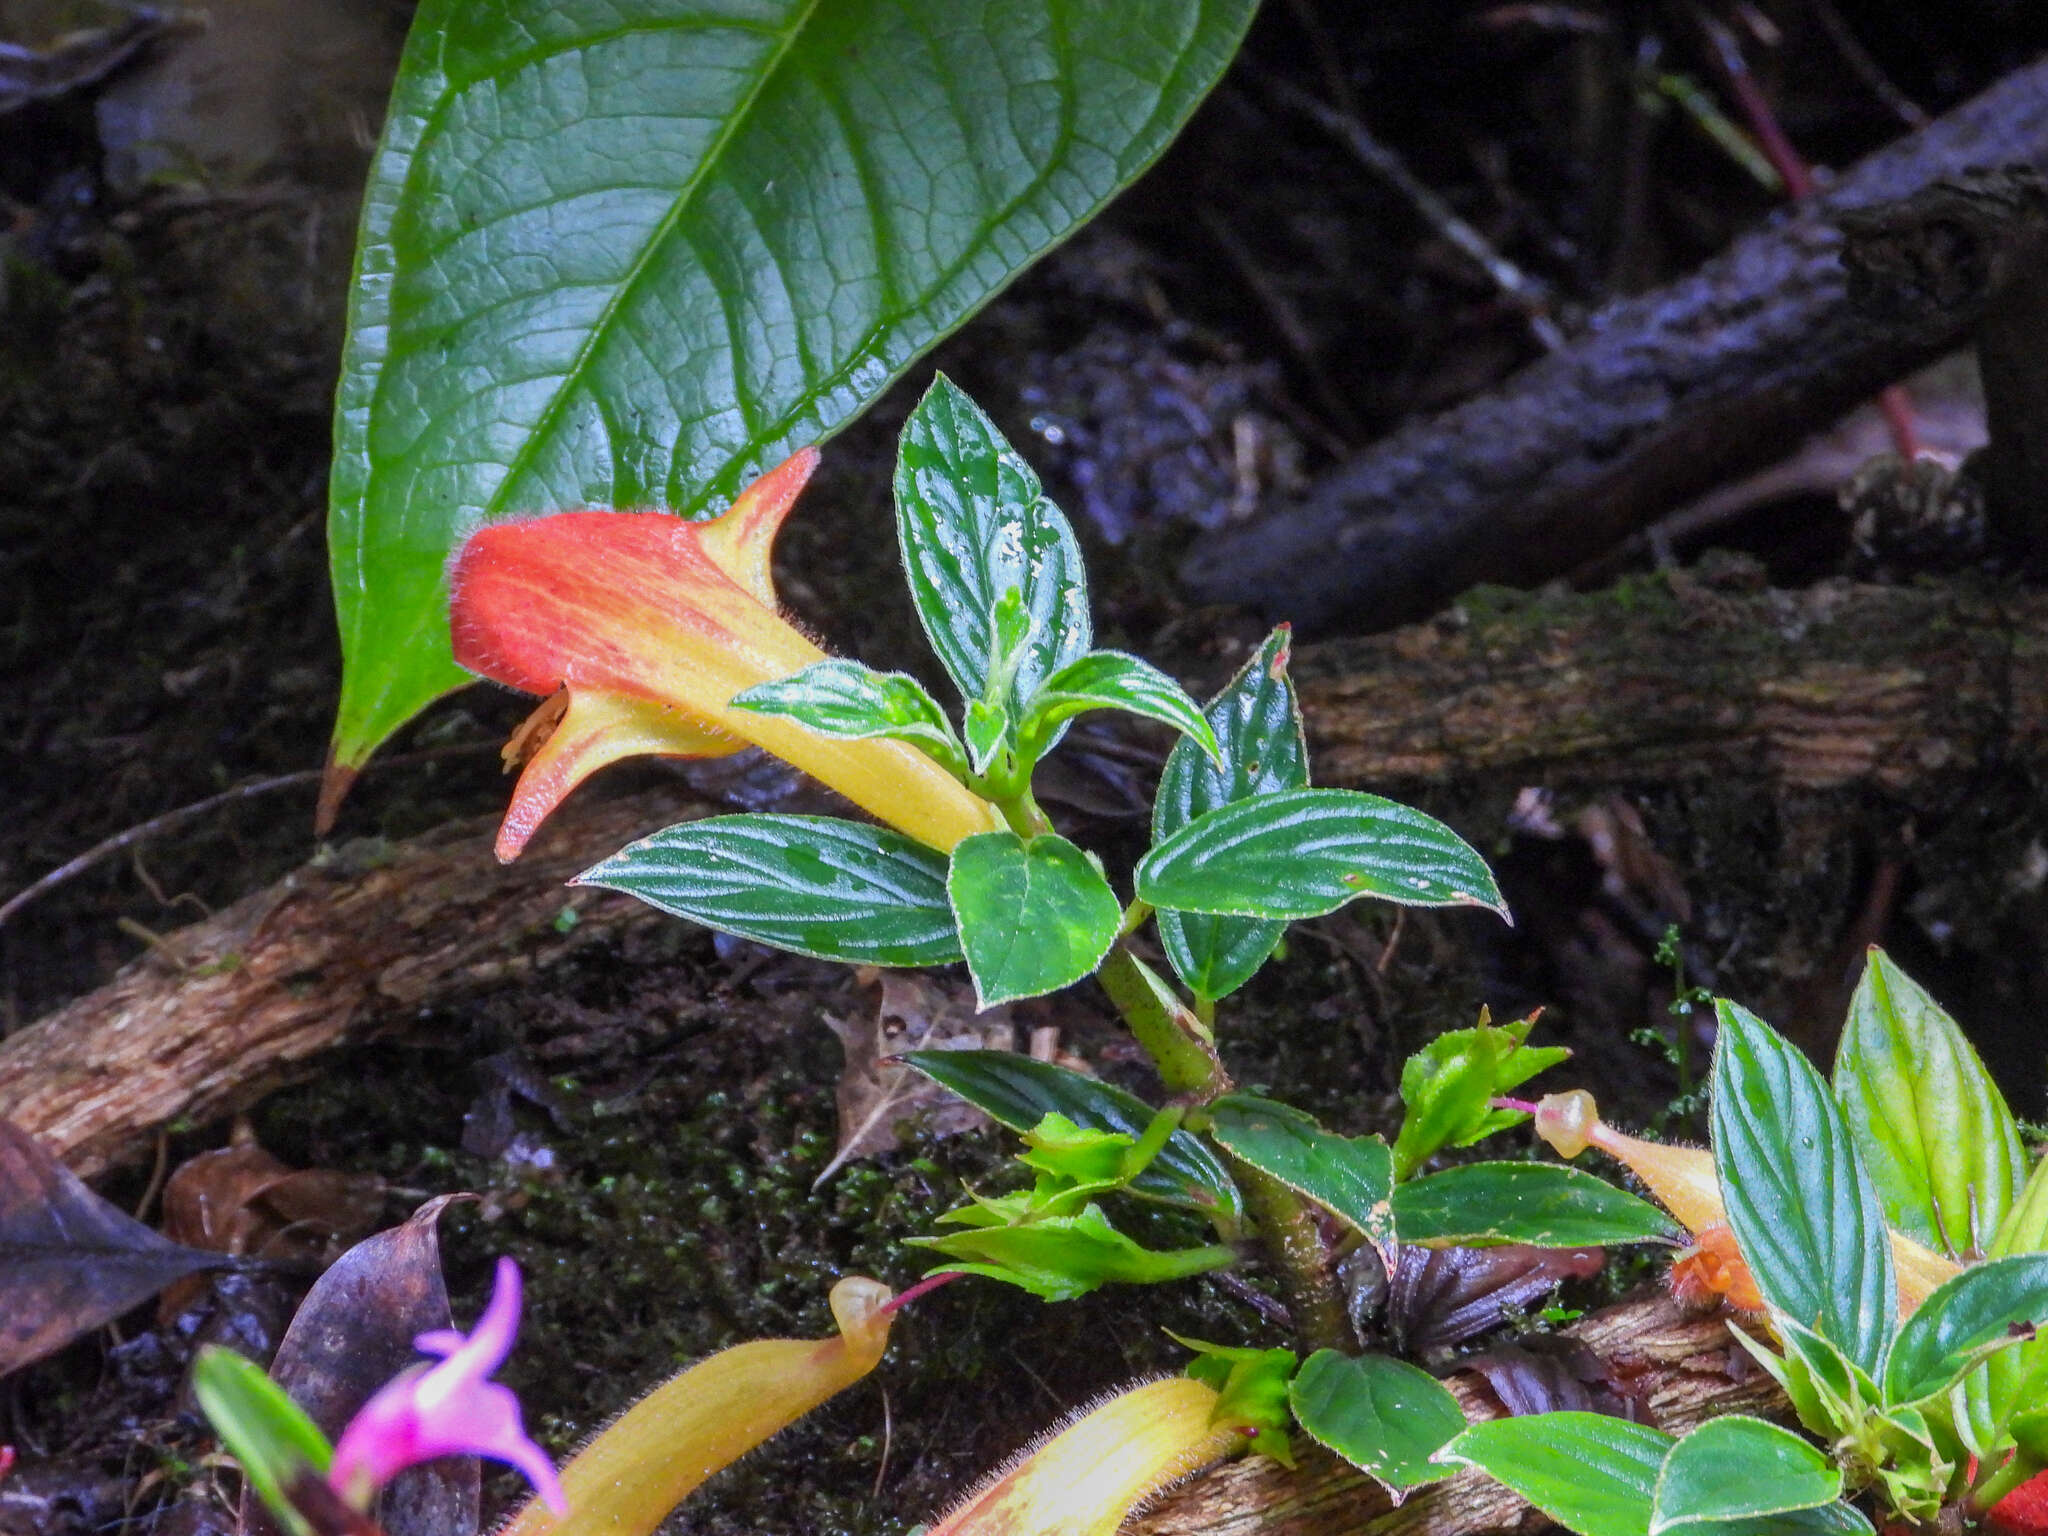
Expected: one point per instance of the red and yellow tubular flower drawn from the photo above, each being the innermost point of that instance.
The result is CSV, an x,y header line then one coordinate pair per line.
x,y
1087,1478
654,1455
1683,1179
641,627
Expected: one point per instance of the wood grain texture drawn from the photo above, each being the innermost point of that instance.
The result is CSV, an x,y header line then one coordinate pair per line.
x,y
228,1009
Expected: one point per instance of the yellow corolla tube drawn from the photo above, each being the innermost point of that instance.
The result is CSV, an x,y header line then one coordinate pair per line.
x,y
1088,1477
1684,1182
653,1456
640,628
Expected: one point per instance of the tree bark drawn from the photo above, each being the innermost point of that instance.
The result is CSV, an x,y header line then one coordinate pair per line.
x,y
1680,1370
228,1009
1906,690
1659,398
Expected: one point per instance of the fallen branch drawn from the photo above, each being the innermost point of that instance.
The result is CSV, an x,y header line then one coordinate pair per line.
x,y
1658,399
226,1010
1909,691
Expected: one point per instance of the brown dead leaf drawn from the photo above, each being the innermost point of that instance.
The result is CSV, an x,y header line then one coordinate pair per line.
x,y
353,1333
241,1199
876,1095
69,1261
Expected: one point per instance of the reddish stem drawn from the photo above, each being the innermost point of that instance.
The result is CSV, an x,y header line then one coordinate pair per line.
x,y
928,1284
1522,1105
1894,403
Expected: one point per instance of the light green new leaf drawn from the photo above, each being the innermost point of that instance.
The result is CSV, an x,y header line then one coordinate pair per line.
x,y
1934,1130
1448,1087
632,252
1352,1177
1740,1468
1306,852
1544,1204
1257,725
269,1434
1803,1211
814,885
1018,1092
1058,1258
844,699
1384,1416
1033,916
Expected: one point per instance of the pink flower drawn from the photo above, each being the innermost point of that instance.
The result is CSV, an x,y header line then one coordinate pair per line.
x,y
448,1409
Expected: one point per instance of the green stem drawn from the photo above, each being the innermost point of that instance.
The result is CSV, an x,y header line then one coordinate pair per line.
x,y
1170,1034
1291,1235
2017,1469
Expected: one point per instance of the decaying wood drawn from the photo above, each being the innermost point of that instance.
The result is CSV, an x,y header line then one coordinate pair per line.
x,y
1904,690
1658,399
228,1009
1684,1370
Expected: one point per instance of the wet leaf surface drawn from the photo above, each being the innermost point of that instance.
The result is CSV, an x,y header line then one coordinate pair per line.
x,y
69,1261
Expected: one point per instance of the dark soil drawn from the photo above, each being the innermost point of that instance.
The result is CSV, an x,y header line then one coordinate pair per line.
x,y
1255,306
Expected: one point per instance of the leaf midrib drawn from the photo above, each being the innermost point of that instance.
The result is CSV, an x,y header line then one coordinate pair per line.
x,y
600,330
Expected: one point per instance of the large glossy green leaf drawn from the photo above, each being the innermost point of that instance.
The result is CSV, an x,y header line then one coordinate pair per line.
x,y
1033,916
1352,1177
1803,1210
1999,1300
816,885
1593,1473
1384,1416
974,525
631,252
1736,1467
1934,1130
1258,731
1544,1204
1306,852
1018,1092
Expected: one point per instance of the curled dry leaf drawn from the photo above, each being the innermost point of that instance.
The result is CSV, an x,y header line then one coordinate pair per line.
x,y
240,1199
1439,1297
353,1333
876,1094
69,1261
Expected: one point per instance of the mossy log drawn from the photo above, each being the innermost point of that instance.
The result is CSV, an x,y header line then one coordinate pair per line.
x,y
1905,691
1680,1370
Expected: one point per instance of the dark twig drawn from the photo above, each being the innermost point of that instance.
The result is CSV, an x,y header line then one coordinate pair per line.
x,y
1526,293
156,826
